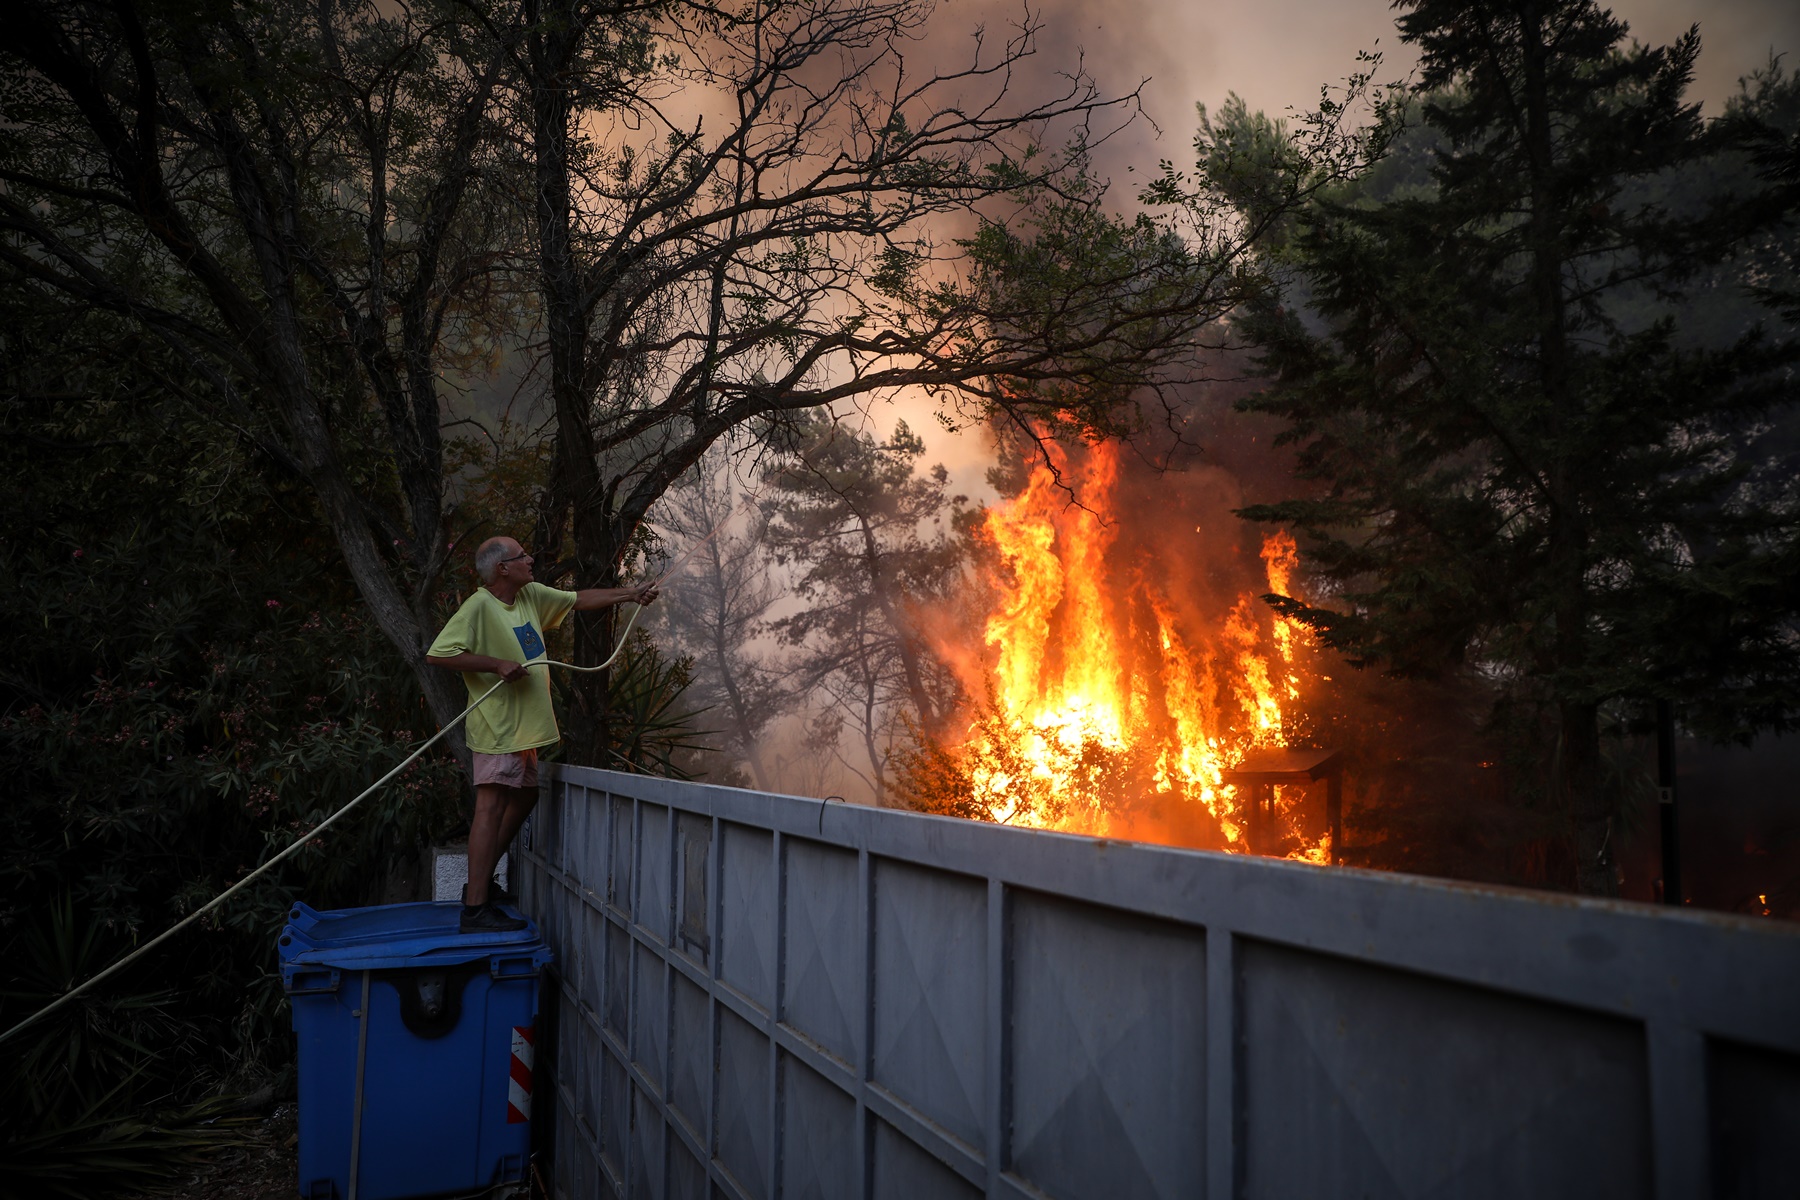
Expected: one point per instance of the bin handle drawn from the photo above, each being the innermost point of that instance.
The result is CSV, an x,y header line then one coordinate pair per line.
x,y
313,983
499,968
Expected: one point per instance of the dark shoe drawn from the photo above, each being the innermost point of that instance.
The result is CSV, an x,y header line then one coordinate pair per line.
x,y
488,919
496,893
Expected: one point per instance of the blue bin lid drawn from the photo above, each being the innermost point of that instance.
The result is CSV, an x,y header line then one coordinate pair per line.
x,y
396,936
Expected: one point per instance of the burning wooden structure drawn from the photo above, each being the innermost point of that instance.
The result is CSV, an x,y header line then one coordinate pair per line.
x,y
1122,675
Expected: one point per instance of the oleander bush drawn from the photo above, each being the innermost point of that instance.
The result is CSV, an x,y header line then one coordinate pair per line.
x,y
186,685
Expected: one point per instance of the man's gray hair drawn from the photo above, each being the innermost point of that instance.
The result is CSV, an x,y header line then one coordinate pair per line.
x,y
487,559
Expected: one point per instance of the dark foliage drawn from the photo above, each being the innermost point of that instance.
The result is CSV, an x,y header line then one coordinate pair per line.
x,y
187,685
189,682
1533,460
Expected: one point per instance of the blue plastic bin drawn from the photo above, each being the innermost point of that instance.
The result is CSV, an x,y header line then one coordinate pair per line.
x,y
415,1051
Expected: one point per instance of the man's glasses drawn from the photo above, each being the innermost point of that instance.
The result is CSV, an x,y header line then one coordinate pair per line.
x,y
514,558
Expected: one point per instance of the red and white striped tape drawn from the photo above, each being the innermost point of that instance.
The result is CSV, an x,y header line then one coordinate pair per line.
x,y
518,1085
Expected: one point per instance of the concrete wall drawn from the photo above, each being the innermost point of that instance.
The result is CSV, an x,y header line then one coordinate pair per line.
x,y
762,996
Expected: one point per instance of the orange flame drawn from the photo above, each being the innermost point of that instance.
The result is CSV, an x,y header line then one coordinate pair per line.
x,y
1107,712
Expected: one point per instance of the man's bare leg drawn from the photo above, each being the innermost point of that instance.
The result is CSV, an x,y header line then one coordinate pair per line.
x,y
491,802
519,803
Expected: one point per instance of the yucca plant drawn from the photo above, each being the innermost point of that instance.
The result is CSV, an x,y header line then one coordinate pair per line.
x,y
654,731
112,1147
89,1108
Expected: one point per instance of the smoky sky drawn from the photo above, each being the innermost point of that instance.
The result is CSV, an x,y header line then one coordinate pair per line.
x,y
1276,54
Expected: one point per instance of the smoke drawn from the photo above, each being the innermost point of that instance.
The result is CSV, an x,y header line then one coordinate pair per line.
x,y
1277,54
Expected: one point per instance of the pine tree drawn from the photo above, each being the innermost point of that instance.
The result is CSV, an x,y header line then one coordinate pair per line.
x,y
1527,461
870,539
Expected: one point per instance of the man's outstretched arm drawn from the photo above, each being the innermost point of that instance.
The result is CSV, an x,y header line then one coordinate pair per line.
x,y
588,599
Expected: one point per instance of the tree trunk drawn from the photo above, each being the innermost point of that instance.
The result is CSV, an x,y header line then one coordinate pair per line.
x,y
577,488
1595,874
877,763
910,665
739,706
1578,774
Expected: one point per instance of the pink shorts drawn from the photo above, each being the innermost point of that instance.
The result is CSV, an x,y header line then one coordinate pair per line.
x,y
517,770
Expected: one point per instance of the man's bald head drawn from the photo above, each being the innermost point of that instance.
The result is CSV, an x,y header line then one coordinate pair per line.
x,y
492,553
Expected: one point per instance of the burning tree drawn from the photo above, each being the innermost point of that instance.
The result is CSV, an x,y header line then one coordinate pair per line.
x,y
1122,663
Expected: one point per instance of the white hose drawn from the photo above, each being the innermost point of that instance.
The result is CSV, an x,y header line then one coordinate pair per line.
x,y
314,832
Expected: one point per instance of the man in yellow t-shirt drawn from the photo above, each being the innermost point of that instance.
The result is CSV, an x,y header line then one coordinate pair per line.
x,y
492,636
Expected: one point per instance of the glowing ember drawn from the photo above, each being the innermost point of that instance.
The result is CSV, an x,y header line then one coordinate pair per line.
x,y
1109,712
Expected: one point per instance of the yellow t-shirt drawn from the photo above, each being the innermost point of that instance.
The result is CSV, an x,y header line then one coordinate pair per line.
x,y
519,715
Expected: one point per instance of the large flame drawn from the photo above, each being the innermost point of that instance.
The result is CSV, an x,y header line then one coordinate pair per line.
x,y
1107,710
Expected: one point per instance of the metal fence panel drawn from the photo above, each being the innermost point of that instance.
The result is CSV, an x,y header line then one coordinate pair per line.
x,y
1107,1048
930,1011
761,996
1755,1115
1394,1084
